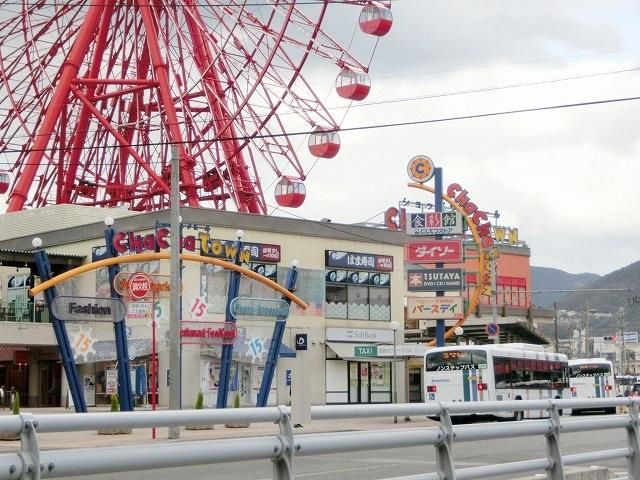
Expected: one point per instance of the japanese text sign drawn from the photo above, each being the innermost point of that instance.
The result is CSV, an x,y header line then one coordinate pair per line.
x,y
435,223
434,308
358,261
434,251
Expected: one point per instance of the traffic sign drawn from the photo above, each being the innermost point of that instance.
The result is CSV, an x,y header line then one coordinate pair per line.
x,y
492,329
139,285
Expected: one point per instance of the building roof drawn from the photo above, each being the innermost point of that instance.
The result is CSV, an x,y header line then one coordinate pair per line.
x,y
29,223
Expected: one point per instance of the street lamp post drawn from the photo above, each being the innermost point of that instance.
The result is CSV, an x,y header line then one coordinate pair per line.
x,y
394,326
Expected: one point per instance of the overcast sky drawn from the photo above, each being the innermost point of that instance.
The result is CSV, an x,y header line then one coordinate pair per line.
x,y
566,178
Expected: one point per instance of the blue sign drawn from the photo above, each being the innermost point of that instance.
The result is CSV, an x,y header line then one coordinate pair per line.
x,y
301,341
492,329
287,377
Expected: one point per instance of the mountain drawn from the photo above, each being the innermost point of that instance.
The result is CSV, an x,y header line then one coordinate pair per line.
x,y
543,278
604,296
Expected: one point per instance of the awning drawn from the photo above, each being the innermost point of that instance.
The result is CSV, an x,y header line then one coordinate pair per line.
x,y
7,352
286,352
381,352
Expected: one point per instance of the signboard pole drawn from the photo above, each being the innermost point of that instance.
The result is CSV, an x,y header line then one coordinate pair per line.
x,y
62,338
120,332
174,303
440,326
494,294
276,341
227,349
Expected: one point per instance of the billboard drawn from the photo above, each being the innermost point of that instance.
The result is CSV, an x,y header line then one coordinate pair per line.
x,y
434,251
435,308
435,223
435,280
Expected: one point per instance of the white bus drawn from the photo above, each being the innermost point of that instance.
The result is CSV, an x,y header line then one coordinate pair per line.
x,y
591,378
495,372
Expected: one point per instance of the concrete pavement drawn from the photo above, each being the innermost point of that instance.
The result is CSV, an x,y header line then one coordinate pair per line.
x,y
48,441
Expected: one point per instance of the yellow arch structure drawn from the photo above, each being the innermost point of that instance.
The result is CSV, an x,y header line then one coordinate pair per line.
x,y
147,257
473,302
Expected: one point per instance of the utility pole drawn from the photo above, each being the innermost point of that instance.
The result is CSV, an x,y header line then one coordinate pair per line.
x,y
623,328
175,304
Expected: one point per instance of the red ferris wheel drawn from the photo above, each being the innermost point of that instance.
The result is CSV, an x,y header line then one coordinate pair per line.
x,y
95,95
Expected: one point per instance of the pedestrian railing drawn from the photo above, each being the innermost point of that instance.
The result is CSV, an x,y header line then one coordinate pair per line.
x,y
30,462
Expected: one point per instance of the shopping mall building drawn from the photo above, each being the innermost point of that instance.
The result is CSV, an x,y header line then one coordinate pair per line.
x,y
353,279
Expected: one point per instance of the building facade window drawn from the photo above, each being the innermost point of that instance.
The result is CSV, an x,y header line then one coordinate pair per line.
x,y
358,295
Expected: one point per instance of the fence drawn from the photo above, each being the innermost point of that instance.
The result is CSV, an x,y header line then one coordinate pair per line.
x,y
29,462
23,312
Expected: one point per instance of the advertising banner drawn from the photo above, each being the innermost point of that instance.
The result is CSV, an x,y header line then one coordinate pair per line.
x,y
434,308
358,261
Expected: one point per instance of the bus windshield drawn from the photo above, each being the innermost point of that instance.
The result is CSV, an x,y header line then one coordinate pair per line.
x,y
455,360
589,370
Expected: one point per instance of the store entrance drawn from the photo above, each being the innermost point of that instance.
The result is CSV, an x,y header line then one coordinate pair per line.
x,y
50,381
359,382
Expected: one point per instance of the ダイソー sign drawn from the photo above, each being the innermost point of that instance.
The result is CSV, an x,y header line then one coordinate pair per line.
x,y
439,279
434,251
88,309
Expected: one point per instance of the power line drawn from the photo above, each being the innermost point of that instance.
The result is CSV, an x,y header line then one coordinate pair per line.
x,y
363,127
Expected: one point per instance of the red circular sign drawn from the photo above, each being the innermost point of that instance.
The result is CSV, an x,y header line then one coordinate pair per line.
x,y
139,285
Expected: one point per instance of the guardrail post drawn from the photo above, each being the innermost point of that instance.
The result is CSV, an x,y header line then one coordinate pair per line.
x,y
633,467
556,470
29,452
444,460
283,464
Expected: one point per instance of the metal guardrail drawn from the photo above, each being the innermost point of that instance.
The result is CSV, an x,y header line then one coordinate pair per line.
x,y
32,463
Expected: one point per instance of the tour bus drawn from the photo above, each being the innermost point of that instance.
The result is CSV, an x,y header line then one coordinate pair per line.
x,y
591,378
495,372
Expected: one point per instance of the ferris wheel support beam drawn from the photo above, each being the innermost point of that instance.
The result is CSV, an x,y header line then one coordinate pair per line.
x,y
123,141
243,186
52,114
165,98
85,115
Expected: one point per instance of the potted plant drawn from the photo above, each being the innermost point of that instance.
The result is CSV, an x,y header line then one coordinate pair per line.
x,y
236,404
199,406
15,409
115,407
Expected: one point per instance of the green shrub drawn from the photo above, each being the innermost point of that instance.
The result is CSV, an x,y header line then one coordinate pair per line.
x,y
15,407
236,400
115,405
199,401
